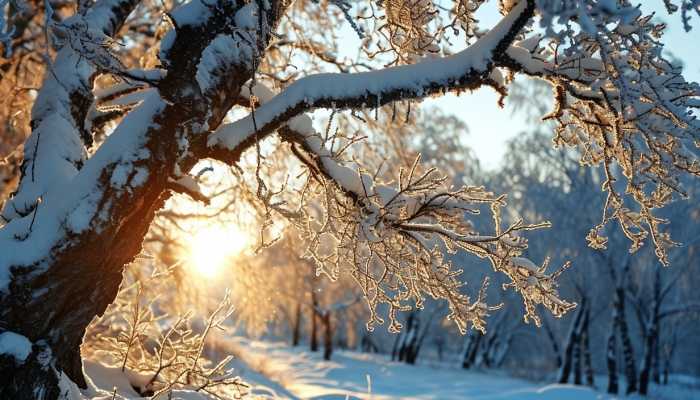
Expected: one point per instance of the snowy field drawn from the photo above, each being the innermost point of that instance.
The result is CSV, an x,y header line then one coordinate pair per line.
x,y
278,371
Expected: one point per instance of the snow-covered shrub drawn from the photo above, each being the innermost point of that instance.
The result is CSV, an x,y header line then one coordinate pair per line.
x,y
156,351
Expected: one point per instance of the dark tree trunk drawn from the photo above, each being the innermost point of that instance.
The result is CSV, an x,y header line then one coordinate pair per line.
x,y
471,350
313,341
418,341
553,341
406,338
655,363
627,348
571,346
296,329
651,338
395,347
51,304
368,346
611,357
586,349
327,335
645,370
408,351
577,361
487,353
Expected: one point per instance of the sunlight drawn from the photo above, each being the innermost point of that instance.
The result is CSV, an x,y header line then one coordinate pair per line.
x,y
213,246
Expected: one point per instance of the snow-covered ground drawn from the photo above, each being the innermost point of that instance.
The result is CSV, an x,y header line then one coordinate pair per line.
x,y
306,375
276,371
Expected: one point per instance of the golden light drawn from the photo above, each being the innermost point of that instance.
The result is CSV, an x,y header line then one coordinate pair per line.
x,y
213,246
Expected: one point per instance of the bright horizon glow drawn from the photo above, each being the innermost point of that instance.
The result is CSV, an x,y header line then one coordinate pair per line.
x,y
212,246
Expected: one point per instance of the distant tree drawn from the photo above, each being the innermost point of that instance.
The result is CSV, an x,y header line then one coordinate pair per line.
x,y
134,94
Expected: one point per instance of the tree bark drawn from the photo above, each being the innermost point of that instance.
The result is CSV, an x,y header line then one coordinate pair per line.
x,y
52,301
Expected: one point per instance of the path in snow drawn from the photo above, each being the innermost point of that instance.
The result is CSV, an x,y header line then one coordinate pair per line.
x,y
306,375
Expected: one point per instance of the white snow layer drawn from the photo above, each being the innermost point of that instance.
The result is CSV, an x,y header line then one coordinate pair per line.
x,y
15,345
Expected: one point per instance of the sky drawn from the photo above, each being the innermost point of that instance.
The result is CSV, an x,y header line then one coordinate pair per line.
x,y
490,127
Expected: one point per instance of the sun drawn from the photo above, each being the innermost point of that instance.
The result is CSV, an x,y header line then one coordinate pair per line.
x,y
211,247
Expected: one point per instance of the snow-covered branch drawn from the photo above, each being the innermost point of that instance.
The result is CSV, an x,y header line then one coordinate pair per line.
x,y
55,150
468,69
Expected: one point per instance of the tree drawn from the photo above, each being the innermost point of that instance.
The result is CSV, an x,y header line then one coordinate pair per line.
x,y
88,193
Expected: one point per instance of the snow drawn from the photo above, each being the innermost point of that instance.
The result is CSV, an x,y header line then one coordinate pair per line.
x,y
358,375
223,50
70,207
15,345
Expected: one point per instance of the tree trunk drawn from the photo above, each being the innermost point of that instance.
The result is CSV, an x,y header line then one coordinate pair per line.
x,y
651,338
577,361
395,347
571,346
655,363
408,351
471,350
611,356
296,329
327,335
627,348
645,370
313,342
52,301
586,349
553,341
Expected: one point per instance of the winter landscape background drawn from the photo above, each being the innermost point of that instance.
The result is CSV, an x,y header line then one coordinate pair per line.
x,y
304,199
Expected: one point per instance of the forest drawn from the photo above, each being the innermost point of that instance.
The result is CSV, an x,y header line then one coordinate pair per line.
x,y
331,199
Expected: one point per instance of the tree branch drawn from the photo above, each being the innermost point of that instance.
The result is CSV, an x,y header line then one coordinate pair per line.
x,y
468,69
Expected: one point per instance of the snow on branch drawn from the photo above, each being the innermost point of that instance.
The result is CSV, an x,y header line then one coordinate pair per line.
x,y
468,69
626,106
395,239
56,148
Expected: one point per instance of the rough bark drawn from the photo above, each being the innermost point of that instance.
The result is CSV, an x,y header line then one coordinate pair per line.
x,y
52,303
